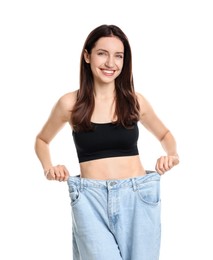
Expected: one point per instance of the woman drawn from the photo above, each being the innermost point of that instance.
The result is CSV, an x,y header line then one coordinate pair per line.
x,y
115,201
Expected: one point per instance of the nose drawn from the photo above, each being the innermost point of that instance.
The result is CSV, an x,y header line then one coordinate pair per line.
x,y
109,62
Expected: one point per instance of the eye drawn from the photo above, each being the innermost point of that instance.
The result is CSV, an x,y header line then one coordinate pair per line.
x,y
101,53
119,56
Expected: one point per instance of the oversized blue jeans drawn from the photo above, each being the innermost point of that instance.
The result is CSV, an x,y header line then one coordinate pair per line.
x,y
116,219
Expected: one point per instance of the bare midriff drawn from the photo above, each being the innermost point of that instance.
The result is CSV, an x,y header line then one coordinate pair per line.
x,y
112,168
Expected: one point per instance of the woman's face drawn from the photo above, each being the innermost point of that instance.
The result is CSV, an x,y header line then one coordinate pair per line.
x,y
106,59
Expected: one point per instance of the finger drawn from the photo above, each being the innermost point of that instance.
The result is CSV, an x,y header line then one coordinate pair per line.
x,y
51,174
159,168
46,173
175,160
159,171
66,177
57,173
66,174
62,174
168,163
161,164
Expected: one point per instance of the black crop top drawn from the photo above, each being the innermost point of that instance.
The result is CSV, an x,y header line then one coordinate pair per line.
x,y
106,140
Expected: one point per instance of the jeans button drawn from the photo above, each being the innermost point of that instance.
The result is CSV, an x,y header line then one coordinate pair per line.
x,y
113,183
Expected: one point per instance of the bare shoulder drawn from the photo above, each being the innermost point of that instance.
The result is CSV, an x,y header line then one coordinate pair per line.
x,y
140,97
63,107
143,103
67,101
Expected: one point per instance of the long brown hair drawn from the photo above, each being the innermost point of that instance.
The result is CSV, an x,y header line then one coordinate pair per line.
x,y
127,106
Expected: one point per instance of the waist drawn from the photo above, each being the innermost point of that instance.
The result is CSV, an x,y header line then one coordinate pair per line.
x,y
133,182
112,168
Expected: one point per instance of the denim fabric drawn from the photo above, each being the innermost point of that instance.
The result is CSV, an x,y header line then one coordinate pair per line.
x,y
116,219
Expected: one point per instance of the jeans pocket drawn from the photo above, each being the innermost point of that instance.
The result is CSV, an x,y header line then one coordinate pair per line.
x,y
149,192
74,194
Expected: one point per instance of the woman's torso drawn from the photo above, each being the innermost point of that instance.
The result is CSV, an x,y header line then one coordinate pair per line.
x,y
118,167
112,168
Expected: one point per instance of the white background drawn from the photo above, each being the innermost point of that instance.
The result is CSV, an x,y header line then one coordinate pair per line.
x,y
40,45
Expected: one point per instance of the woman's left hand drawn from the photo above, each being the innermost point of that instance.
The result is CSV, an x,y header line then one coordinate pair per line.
x,y
165,163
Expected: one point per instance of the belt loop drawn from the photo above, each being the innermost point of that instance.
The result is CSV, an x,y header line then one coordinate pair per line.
x,y
81,184
134,184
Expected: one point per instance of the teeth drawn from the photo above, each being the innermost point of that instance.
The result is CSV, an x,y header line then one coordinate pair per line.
x,y
108,71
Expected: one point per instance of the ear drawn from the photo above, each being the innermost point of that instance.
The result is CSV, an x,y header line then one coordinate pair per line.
x,y
86,56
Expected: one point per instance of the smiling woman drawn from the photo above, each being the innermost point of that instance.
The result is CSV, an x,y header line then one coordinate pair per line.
x,y
107,57
115,201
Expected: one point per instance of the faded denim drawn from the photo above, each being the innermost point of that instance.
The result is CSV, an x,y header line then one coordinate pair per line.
x,y
116,219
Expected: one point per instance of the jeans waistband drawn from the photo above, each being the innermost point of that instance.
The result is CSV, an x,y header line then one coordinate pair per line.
x,y
114,183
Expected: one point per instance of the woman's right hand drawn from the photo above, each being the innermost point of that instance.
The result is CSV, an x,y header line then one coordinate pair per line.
x,y
57,173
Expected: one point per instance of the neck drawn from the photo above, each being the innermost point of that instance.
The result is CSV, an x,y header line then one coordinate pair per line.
x,y
104,92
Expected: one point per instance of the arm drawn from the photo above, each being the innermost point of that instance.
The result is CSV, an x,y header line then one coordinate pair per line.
x,y
59,116
153,124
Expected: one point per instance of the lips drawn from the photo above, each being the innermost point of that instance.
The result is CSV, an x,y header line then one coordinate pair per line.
x,y
108,72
